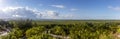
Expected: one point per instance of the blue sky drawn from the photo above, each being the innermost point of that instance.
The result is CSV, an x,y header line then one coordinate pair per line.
x,y
62,9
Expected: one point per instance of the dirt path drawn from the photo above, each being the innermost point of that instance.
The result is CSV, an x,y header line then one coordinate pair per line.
x,y
58,36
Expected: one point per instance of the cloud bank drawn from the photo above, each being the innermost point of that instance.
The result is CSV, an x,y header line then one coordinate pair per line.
x,y
26,12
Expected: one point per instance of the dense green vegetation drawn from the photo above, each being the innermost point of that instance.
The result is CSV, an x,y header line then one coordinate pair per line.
x,y
84,29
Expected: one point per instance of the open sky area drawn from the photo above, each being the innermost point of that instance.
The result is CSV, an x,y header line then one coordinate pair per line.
x,y
60,9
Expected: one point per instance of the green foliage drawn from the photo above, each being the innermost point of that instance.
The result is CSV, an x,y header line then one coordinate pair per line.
x,y
28,29
58,30
42,36
16,33
35,31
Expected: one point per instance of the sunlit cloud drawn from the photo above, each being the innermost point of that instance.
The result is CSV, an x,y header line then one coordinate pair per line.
x,y
58,6
17,12
48,14
26,12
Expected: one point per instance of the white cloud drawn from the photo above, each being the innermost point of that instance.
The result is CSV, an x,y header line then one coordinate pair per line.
x,y
114,8
58,6
73,9
68,15
26,12
52,13
17,12
48,14
17,16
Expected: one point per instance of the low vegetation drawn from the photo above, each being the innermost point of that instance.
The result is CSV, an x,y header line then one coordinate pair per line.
x,y
30,29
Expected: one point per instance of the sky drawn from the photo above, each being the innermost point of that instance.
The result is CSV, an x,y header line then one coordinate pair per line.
x,y
60,9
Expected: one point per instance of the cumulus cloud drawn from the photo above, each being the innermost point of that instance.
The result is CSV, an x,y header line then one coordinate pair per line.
x,y
58,6
48,14
17,12
114,8
26,12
